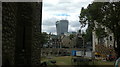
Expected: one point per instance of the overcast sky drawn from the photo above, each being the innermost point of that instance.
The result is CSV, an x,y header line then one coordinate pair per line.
x,y
54,10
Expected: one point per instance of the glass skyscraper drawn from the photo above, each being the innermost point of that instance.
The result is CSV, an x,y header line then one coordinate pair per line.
x,y
62,26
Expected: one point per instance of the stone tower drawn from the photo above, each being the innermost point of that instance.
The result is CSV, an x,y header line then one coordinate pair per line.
x,y
21,24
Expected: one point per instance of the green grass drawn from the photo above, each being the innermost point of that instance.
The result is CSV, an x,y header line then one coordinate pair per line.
x,y
103,63
66,60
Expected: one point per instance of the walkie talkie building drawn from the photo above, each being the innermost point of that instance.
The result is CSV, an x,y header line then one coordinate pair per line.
x,y
62,26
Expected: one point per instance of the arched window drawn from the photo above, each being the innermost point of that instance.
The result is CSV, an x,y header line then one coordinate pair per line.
x,y
110,38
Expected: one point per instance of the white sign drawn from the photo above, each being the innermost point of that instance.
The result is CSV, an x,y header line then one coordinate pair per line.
x,y
79,53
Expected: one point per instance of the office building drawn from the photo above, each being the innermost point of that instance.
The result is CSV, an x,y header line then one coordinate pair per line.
x,y
62,26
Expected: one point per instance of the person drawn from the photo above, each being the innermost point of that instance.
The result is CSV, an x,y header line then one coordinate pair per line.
x,y
117,63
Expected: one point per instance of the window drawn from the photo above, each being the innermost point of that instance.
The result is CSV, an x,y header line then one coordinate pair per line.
x,y
110,38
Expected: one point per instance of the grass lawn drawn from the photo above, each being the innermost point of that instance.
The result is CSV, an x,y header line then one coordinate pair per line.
x,y
66,60
103,63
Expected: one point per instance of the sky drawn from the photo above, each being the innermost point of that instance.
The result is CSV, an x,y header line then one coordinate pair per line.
x,y
55,10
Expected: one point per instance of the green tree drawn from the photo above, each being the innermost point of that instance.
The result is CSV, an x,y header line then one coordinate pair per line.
x,y
71,36
106,14
88,35
43,38
100,32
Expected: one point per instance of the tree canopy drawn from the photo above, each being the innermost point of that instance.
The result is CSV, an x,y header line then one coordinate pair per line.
x,y
43,38
106,14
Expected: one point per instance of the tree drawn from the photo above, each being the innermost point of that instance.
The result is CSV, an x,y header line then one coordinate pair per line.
x,y
100,32
106,14
88,35
43,37
71,36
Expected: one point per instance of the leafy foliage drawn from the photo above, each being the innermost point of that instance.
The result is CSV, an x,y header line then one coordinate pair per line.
x,y
88,35
71,36
106,14
100,32
43,38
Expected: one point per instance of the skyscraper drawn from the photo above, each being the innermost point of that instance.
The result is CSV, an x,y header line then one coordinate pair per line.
x,y
62,26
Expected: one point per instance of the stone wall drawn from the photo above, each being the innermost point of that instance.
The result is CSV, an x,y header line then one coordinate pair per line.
x,y
36,30
46,52
0,33
21,28
8,32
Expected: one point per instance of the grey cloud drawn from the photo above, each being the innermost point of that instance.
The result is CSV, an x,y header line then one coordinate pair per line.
x,y
66,7
65,1
75,24
49,22
49,28
48,5
75,29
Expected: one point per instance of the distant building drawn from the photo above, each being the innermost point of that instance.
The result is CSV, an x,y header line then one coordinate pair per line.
x,y
69,33
54,41
68,43
62,26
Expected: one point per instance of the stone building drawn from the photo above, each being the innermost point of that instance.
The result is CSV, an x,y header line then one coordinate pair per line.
x,y
103,46
21,25
68,43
